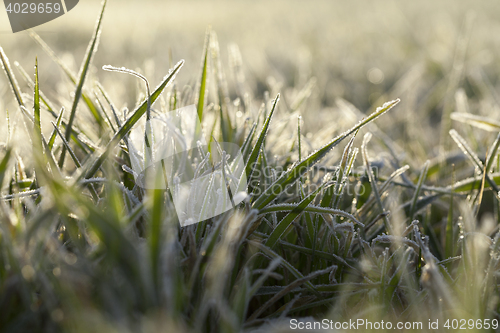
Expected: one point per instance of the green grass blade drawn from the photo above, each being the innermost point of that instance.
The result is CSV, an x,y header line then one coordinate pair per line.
x,y
66,144
449,246
82,76
203,81
310,209
10,76
273,255
110,103
302,167
477,121
254,155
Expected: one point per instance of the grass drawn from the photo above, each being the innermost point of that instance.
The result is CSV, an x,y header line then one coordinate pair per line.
x,y
320,234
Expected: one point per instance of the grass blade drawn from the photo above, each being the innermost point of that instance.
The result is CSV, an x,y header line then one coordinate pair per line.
x,y
10,76
416,194
373,182
83,74
37,128
310,209
254,155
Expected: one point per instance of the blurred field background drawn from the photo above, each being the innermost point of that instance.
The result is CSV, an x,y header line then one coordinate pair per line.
x,y
335,57
362,51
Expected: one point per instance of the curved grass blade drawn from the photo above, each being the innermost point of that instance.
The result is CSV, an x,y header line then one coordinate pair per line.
x,y
10,76
127,126
416,194
79,87
3,165
309,209
462,144
301,168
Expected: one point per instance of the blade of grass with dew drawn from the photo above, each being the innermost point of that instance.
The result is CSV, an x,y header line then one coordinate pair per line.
x,y
286,290
110,103
52,138
66,144
245,148
321,254
131,121
416,193
31,84
333,194
462,144
273,255
37,128
252,160
299,169
83,75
